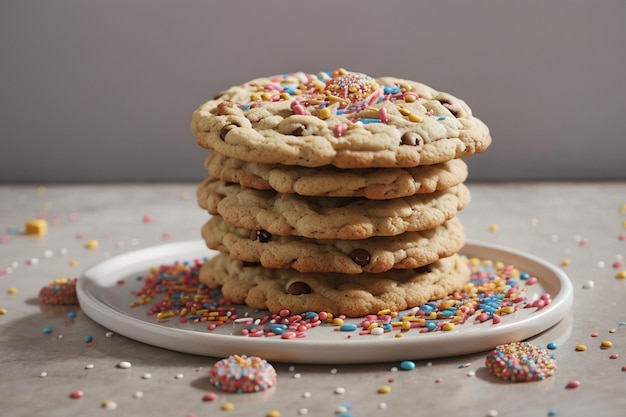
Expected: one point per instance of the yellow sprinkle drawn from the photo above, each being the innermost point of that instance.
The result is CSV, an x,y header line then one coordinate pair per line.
x,y
38,227
475,261
266,96
409,98
624,223
612,330
337,321
507,310
228,406
385,389
581,348
285,96
494,228
12,291
534,222
73,263
164,315
41,190
255,97
399,335
446,304
622,208
329,318
324,113
92,244
565,262
404,111
499,265
384,312
605,344
273,413
448,326
621,274
3,311
415,118
406,325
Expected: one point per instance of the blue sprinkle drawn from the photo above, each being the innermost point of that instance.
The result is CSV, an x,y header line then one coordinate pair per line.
x,y
552,412
441,118
289,90
71,314
88,339
551,345
277,328
47,330
389,89
407,365
366,120
524,275
431,325
348,327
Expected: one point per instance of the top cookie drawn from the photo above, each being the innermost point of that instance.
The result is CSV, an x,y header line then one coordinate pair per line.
x,y
345,119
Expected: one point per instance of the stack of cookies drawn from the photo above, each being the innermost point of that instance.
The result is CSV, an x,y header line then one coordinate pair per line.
x,y
335,192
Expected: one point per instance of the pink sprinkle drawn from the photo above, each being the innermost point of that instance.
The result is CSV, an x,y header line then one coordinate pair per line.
x,y
624,368
438,380
288,335
595,334
614,356
583,242
147,219
382,115
617,264
166,235
76,394
297,108
573,384
496,319
4,239
622,237
531,281
209,396
340,129
79,236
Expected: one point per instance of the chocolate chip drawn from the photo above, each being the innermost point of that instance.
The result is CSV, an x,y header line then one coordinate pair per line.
x,y
262,235
299,288
412,139
224,131
454,109
360,256
247,264
423,269
298,132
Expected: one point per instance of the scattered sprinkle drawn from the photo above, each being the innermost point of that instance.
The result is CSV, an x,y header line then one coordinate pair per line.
x,y
124,365
573,384
109,405
581,348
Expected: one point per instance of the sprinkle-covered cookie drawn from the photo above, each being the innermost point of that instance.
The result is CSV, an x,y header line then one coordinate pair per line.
x,y
376,254
329,217
376,184
520,362
242,374
352,295
341,118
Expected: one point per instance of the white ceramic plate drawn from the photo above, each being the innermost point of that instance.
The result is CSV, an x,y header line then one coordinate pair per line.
x,y
107,302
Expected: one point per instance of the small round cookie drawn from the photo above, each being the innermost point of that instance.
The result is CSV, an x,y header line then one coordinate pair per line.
x,y
242,374
375,184
60,291
352,295
520,362
408,250
342,218
341,118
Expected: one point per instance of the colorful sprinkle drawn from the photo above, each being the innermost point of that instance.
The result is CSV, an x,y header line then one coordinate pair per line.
x,y
520,362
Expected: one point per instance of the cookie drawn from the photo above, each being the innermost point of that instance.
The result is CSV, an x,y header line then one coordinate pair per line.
x,y
242,374
376,184
339,118
329,217
352,295
520,362
408,250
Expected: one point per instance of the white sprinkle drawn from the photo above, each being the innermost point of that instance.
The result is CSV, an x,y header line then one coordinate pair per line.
x,y
292,368
33,261
146,376
619,257
382,406
124,365
63,251
492,413
333,371
109,334
43,374
303,411
306,394
15,264
555,238
589,285
59,336
394,369
89,366
471,373
48,253
138,394
297,376
429,364
341,409
179,376
340,390
377,331
8,269
601,264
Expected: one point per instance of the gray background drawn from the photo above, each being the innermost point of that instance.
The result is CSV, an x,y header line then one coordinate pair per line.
x,y
104,90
